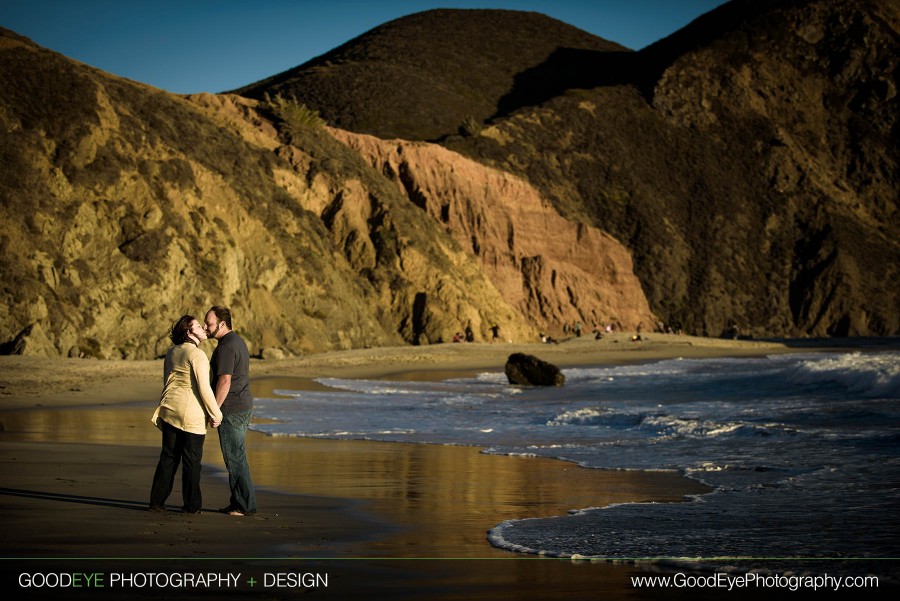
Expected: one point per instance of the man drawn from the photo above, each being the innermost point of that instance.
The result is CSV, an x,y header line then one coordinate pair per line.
x,y
230,379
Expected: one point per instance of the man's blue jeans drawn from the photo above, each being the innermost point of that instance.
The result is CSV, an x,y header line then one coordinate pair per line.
x,y
231,439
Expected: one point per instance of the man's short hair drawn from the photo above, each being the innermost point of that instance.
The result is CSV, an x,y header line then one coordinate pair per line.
x,y
222,314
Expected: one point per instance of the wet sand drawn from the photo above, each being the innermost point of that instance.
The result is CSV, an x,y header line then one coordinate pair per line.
x,y
387,519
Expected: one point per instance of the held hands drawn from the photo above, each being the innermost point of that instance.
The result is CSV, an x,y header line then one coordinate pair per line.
x,y
214,422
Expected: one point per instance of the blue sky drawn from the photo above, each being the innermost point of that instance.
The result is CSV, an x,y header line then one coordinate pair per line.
x,y
189,46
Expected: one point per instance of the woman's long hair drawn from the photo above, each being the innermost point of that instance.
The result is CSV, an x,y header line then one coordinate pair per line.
x,y
181,329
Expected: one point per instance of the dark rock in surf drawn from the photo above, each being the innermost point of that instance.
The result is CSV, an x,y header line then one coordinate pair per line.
x,y
528,370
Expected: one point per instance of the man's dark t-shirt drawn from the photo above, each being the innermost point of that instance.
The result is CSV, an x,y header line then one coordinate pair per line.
x,y
232,357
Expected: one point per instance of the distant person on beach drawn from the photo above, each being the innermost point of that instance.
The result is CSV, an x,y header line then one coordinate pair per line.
x,y
495,330
186,405
470,335
230,378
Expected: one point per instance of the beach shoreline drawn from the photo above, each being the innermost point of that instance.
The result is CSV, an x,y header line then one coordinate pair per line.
x,y
368,513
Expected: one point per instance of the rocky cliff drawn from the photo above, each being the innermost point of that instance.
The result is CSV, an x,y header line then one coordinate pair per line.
x,y
553,270
124,207
742,172
748,162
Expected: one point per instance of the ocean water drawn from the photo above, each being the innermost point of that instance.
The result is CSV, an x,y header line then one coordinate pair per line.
x,y
802,452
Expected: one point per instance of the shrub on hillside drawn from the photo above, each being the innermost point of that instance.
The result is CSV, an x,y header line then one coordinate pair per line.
x,y
293,113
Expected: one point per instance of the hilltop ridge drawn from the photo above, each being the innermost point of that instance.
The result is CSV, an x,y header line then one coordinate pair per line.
x,y
426,75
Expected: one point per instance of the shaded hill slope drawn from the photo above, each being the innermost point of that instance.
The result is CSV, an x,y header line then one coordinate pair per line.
x,y
424,76
756,182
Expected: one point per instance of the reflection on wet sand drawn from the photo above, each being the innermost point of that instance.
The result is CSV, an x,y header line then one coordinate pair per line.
x,y
441,498
444,497
103,425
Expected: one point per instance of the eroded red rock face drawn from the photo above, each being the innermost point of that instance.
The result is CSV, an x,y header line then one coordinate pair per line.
x,y
552,270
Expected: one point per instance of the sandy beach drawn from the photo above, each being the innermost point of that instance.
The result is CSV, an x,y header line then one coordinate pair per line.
x,y
388,519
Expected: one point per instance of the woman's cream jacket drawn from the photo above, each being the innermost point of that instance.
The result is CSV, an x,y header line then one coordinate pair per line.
x,y
187,399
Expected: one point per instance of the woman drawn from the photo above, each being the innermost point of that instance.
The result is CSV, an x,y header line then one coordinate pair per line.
x,y
186,404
